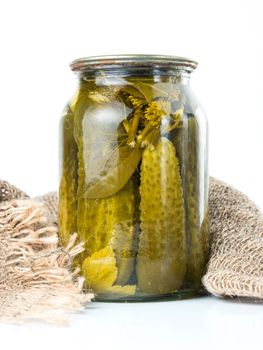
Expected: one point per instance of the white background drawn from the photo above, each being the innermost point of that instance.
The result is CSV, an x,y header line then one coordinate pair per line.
x,y
40,38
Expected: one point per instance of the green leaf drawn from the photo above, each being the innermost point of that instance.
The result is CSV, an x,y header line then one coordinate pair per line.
x,y
128,91
106,162
111,172
156,90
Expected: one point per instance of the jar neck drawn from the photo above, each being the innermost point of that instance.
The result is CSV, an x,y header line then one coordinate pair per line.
x,y
157,74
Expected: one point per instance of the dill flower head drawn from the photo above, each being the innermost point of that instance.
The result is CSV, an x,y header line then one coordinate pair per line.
x,y
155,111
136,102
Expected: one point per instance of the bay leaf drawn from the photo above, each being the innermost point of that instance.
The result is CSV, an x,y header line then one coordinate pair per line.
x,y
127,91
111,173
152,90
106,159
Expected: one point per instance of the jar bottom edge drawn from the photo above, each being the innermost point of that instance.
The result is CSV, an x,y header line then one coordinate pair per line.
x,y
180,295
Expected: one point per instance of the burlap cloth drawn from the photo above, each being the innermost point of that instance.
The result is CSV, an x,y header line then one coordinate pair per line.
x,y
235,267
36,277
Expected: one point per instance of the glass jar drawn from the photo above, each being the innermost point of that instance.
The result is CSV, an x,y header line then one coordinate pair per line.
x,y
134,182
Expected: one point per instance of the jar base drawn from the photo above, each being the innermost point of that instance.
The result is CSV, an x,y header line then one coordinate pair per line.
x,y
179,295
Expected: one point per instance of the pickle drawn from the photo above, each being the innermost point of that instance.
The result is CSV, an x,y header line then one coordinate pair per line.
x,y
111,222
100,271
125,232
161,258
193,224
186,141
67,210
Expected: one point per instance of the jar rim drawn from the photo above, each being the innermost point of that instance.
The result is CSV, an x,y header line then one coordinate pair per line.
x,y
132,61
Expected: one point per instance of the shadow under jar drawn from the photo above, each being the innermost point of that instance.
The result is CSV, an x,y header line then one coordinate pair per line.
x,y
134,182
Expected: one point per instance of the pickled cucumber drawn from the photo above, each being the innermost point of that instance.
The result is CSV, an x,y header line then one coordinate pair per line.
x,y
67,210
187,141
161,258
101,272
111,222
196,259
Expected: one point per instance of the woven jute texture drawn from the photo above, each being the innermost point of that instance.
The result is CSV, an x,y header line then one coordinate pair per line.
x,y
235,266
36,279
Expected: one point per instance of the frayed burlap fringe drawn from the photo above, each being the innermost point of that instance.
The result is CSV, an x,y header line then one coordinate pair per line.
x,y
50,203
235,266
36,281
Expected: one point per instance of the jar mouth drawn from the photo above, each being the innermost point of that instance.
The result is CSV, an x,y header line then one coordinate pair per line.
x,y
133,61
